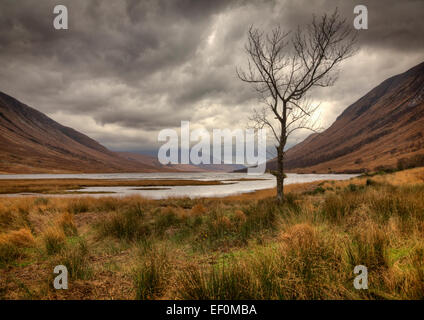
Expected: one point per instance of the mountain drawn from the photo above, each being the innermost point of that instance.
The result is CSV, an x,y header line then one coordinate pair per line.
x,y
31,142
153,161
383,126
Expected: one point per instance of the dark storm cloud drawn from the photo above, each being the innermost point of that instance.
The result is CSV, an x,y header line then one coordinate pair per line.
x,y
126,69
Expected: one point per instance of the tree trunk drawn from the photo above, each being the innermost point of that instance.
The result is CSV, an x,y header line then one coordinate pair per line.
x,y
280,176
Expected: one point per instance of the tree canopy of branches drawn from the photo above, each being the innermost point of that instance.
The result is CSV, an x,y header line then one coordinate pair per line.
x,y
284,66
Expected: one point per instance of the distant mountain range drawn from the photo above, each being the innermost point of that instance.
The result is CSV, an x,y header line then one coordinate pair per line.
x,y
381,127
31,142
153,161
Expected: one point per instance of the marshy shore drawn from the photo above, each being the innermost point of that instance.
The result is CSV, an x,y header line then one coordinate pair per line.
x,y
68,186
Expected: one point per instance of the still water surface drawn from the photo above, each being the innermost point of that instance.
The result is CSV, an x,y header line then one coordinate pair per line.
x,y
230,186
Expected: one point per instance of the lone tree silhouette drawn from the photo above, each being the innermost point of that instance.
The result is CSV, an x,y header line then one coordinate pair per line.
x,y
283,67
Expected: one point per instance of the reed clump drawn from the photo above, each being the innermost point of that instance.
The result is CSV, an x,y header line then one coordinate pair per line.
x,y
75,256
151,273
13,244
54,239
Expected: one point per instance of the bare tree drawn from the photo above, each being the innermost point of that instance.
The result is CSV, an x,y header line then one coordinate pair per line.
x,y
284,66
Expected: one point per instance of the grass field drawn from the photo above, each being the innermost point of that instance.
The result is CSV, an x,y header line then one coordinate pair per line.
x,y
239,247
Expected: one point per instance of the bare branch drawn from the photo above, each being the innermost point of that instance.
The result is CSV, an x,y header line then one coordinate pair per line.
x,y
284,66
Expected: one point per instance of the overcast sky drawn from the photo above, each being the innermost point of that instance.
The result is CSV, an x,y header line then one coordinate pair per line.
x,y
126,69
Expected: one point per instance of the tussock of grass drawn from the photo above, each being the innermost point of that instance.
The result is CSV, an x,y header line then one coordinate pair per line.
x,y
215,283
14,216
41,201
75,257
54,240
67,224
13,243
127,225
21,238
198,209
152,273
79,205
369,247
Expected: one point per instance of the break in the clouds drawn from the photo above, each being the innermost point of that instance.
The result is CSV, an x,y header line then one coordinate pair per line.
x,y
126,69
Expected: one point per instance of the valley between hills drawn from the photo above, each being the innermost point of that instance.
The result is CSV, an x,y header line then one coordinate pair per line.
x,y
243,246
384,126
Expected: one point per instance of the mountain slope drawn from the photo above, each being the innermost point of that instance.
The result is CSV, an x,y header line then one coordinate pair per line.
x,y
384,125
31,142
153,161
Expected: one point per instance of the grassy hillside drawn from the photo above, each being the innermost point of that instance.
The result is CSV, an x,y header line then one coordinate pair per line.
x,y
31,142
240,247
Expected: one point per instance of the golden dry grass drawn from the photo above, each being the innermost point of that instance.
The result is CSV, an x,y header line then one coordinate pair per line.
x,y
239,247
20,238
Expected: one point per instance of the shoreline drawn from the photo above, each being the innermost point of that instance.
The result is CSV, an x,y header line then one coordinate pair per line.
x,y
74,187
